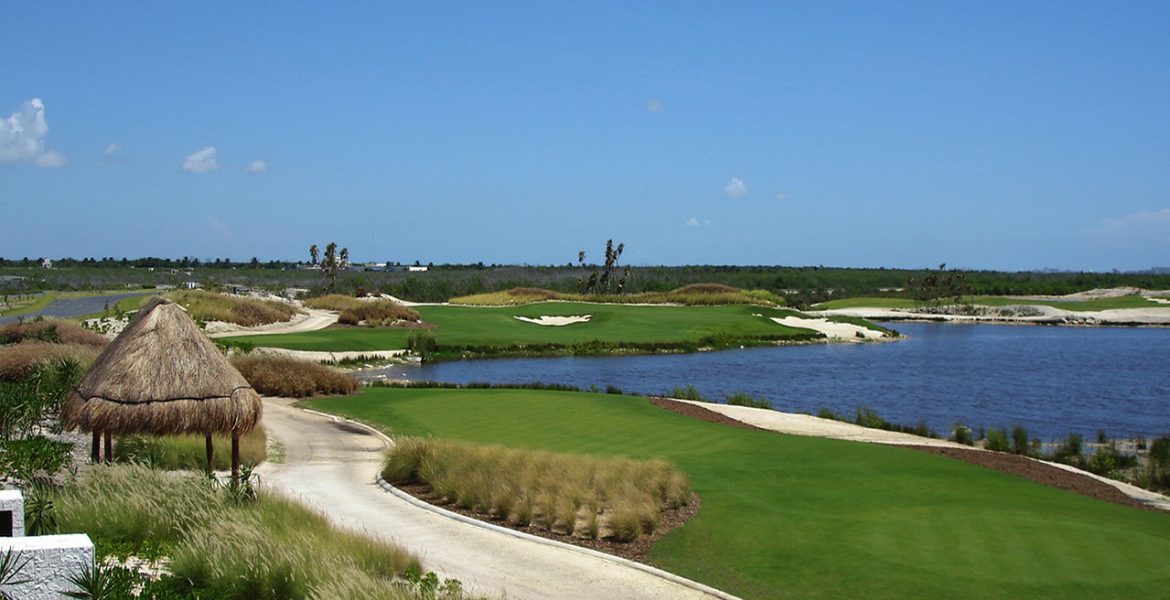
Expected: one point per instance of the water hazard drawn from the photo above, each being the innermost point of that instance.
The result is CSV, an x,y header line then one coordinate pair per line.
x,y
1051,380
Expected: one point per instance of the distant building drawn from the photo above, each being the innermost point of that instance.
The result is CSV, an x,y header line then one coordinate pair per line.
x,y
190,285
46,263
416,269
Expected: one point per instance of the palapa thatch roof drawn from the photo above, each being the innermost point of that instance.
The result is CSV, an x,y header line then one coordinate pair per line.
x,y
162,375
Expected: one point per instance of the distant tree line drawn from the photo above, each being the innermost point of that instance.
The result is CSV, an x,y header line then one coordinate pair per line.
x,y
801,286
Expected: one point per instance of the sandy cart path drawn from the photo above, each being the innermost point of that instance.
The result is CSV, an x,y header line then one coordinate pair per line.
x,y
331,465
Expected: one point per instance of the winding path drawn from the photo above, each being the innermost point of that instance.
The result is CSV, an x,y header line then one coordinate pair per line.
x,y
331,465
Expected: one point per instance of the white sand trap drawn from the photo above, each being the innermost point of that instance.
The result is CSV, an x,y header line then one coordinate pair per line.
x,y
554,321
834,331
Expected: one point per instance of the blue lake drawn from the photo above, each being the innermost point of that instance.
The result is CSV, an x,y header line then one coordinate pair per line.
x,y
1051,380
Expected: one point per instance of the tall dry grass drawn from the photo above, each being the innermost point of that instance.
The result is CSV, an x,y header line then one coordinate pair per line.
x,y
53,331
273,375
272,548
701,294
247,312
378,314
18,360
586,496
174,452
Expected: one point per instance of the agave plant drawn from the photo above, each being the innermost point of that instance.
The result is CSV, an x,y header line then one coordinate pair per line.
x,y
11,563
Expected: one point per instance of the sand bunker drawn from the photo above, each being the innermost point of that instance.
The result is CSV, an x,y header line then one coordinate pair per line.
x,y
833,331
554,321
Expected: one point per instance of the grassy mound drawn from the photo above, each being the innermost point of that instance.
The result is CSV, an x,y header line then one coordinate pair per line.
x,y
272,548
25,346
790,516
52,331
246,312
178,452
587,496
700,294
376,313
293,378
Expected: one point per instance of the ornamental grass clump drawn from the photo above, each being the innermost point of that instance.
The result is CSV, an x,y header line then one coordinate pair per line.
x,y
585,496
175,452
381,313
273,375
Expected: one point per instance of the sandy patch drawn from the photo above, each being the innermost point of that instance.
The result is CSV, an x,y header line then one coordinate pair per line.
x,y
847,332
554,321
319,356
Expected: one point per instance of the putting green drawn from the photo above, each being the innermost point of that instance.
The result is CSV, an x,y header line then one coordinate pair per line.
x,y
480,327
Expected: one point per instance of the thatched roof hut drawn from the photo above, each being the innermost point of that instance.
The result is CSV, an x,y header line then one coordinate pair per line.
x,y
162,375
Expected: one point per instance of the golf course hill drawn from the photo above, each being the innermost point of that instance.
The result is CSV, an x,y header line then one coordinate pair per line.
x,y
532,322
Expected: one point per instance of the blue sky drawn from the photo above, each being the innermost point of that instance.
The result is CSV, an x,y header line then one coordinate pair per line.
x,y
1013,135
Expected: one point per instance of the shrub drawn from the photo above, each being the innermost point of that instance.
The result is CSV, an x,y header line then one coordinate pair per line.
x,y
377,314
20,360
997,440
338,302
686,393
620,497
746,399
275,375
866,417
827,413
51,331
1019,440
33,457
422,343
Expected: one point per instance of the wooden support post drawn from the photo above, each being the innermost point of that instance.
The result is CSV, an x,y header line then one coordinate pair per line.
x,y
208,444
236,457
95,451
109,448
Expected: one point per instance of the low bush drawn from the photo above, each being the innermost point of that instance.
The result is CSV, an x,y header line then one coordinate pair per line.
x,y
274,375
382,313
746,399
246,312
1020,441
686,393
866,417
51,331
997,440
18,361
586,496
961,434
338,302
33,457
174,452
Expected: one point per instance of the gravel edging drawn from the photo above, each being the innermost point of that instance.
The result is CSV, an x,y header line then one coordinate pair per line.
x,y
401,495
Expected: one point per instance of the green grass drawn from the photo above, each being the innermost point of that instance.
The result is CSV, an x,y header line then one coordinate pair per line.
x,y
1070,305
788,516
610,324
172,452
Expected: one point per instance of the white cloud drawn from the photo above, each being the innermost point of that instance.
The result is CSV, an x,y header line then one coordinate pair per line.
x,y
735,188
781,196
50,159
257,166
695,222
111,149
201,161
653,105
22,136
1146,219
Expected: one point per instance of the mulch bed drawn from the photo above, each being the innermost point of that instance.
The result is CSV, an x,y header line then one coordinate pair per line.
x,y
1022,466
698,412
1011,464
635,550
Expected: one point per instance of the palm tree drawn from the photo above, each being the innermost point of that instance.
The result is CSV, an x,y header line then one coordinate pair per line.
x,y
313,253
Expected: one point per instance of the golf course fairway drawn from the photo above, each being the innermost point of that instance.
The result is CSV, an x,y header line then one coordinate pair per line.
x,y
799,517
